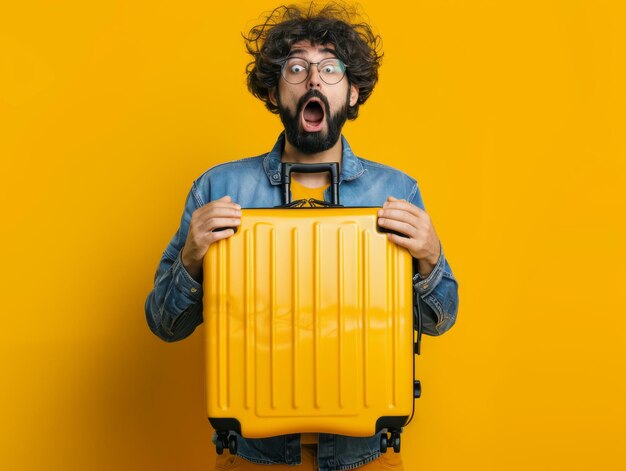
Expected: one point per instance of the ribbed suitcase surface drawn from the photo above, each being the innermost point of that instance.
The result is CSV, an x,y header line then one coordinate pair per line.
x,y
309,324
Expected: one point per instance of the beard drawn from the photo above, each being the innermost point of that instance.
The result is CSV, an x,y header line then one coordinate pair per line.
x,y
313,142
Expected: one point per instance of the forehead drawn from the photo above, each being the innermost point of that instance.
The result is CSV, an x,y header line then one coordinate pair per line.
x,y
305,49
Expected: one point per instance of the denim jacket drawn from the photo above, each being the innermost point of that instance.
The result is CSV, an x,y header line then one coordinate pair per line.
x,y
174,306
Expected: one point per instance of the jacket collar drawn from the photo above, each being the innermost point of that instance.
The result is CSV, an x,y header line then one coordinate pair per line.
x,y
351,166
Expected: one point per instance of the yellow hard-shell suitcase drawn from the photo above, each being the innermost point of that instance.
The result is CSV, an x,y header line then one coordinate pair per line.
x,y
309,325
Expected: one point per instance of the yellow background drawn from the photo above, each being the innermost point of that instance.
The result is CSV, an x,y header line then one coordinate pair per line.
x,y
511,116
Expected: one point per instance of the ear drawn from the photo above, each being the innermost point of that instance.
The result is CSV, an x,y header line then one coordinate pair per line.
x,y
271,93
354,94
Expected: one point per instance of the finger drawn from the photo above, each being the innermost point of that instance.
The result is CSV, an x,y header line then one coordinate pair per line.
x,y
390,199
400,215
204,214
222,204
220,235
224,201
205,239
222,211
401,241
403,204
217,223
398,226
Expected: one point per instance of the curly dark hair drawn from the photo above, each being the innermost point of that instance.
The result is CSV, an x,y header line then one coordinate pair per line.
x,y
335,23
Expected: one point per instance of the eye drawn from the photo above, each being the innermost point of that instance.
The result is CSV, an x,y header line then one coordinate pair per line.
x,y
331,67
296,66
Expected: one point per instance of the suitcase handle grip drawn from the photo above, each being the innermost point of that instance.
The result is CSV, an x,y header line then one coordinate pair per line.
x,y
286,168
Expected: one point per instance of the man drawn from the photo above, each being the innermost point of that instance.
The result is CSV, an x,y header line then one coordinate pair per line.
x,y
314,69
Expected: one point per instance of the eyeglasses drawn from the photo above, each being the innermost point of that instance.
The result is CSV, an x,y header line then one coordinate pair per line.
x,y
296,70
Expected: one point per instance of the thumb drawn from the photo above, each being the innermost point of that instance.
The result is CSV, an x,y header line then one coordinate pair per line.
x,y
225,199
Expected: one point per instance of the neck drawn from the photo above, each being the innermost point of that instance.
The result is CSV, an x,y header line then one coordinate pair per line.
x,y
293,154
312,180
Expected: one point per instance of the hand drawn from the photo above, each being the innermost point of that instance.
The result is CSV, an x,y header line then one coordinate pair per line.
x,y
214,215
421,239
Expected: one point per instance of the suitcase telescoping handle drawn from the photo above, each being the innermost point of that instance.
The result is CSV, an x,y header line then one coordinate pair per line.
x,y
332,167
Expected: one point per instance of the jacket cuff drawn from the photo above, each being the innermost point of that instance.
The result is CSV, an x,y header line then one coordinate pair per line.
x,y
424,286
183,280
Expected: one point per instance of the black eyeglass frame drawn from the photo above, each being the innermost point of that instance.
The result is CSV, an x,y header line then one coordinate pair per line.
x,y
283,63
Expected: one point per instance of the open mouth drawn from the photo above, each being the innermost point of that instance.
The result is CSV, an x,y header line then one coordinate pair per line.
x,y
313,115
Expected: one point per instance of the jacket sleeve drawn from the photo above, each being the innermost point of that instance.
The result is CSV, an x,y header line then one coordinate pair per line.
x,y
174,306
437,294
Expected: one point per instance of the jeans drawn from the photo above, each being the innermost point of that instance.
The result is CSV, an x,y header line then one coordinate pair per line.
x,y
227,462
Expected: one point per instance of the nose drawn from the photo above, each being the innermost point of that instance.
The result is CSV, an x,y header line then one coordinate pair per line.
x,y
314,80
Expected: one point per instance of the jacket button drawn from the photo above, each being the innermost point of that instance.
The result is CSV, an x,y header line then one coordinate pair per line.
x,y
193,290
275,176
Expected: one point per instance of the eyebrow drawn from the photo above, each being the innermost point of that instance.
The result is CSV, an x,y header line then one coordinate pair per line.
x,y
325,49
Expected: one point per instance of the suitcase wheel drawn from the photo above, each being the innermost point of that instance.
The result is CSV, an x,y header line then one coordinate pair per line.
x,y
232,445
219,447
383,443
222,442
395,441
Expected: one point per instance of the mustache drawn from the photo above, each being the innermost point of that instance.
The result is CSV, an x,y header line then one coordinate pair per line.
x,y
313,94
